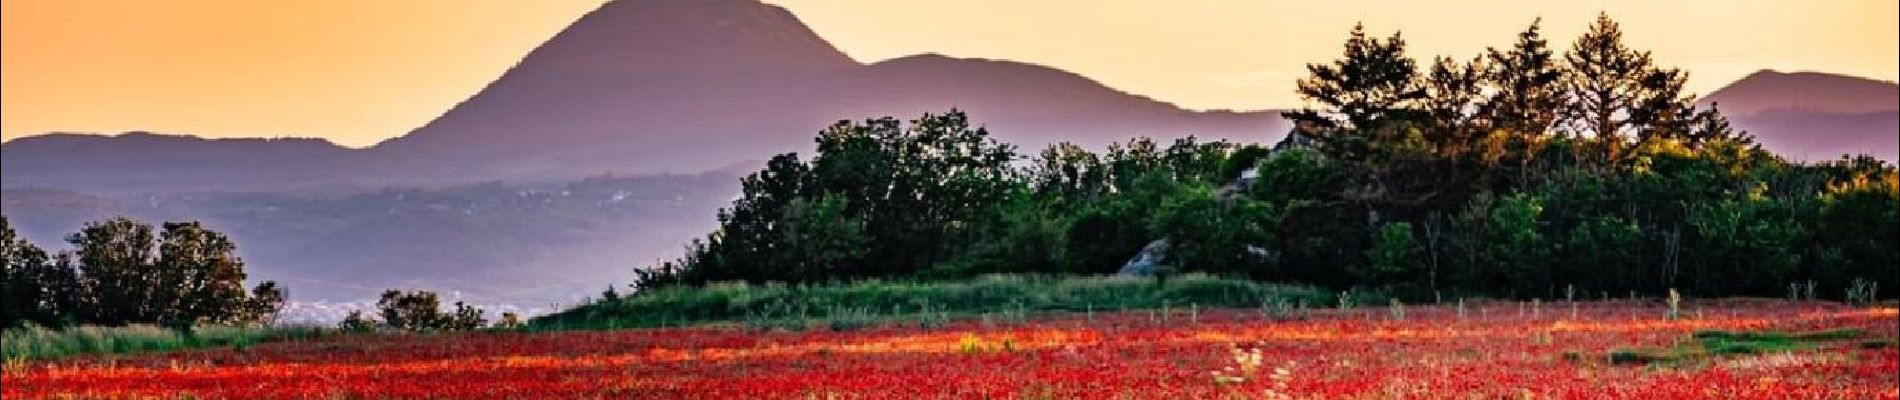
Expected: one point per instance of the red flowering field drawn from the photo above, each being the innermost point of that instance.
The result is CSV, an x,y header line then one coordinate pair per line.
x,y
1487,351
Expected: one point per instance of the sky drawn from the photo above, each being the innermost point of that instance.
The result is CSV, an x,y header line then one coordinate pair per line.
x,y
361,71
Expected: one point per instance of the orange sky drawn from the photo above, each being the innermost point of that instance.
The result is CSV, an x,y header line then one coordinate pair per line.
x,y
360,71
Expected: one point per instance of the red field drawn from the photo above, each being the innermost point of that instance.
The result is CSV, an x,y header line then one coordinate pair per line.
x,y
1498,351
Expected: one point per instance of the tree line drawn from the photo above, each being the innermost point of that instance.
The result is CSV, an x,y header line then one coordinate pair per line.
x,y
122,272
1521,172
421,311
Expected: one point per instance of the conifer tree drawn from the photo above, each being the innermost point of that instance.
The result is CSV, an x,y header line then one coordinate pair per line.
x,y
1526,82
1375,83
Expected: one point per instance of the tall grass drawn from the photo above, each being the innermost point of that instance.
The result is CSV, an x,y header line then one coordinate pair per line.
x,y
676,306
39,343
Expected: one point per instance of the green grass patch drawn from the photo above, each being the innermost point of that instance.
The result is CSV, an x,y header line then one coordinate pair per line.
x,y
40,343
1716,343
849,305
1724,342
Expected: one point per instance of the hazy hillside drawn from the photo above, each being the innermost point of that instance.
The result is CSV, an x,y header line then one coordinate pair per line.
x,y
490,242
630,85
139,161
637,87
1814,116
1770,90
1033,105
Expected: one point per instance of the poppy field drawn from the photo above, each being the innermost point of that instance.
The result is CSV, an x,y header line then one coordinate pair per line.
x,y
1730,349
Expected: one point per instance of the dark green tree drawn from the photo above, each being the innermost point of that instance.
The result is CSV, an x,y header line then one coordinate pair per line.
x,y
117,276
1210,232
1859,208
1517,250
198,277
1067,171
1024,236
31,288
1454,94
1600,254
1392,257
1127,162
1619,96
413,311
464,318
1743,246
266,302
1526,82
816,235
1372,84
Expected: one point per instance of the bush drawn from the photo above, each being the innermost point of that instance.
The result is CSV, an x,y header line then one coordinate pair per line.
x,y
32,342
779,306
356,322
420,311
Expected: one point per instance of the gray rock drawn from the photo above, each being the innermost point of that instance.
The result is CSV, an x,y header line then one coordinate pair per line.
x,y
1145,262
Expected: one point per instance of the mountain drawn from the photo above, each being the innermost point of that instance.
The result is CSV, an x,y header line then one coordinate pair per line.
x,y
689,85
645,86
1033,105
527,245
1769,90
1814,116
141,161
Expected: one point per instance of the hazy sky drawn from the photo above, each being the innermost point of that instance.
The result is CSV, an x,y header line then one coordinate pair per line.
x,y
360,71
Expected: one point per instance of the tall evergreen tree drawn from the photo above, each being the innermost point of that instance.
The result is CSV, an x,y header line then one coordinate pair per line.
x,y
1454,91
1614,90
1374,84
1526,82
1711,126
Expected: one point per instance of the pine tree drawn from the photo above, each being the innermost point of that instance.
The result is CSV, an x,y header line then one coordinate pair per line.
x,y
1452,102
1373,84
1527,85
1621,98
1711,126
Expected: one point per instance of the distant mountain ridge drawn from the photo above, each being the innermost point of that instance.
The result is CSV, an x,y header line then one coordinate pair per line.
x,y
522,244
630,85
1813,116
142,161
685,86
1770,90
652,86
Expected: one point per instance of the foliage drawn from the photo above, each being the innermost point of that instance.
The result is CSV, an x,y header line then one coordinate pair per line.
x,y
121,272
1524,172
34,342
356,322
420,311
783,305
1392,252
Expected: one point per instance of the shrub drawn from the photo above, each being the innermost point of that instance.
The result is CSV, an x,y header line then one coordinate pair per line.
x,y
779,306
33,342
